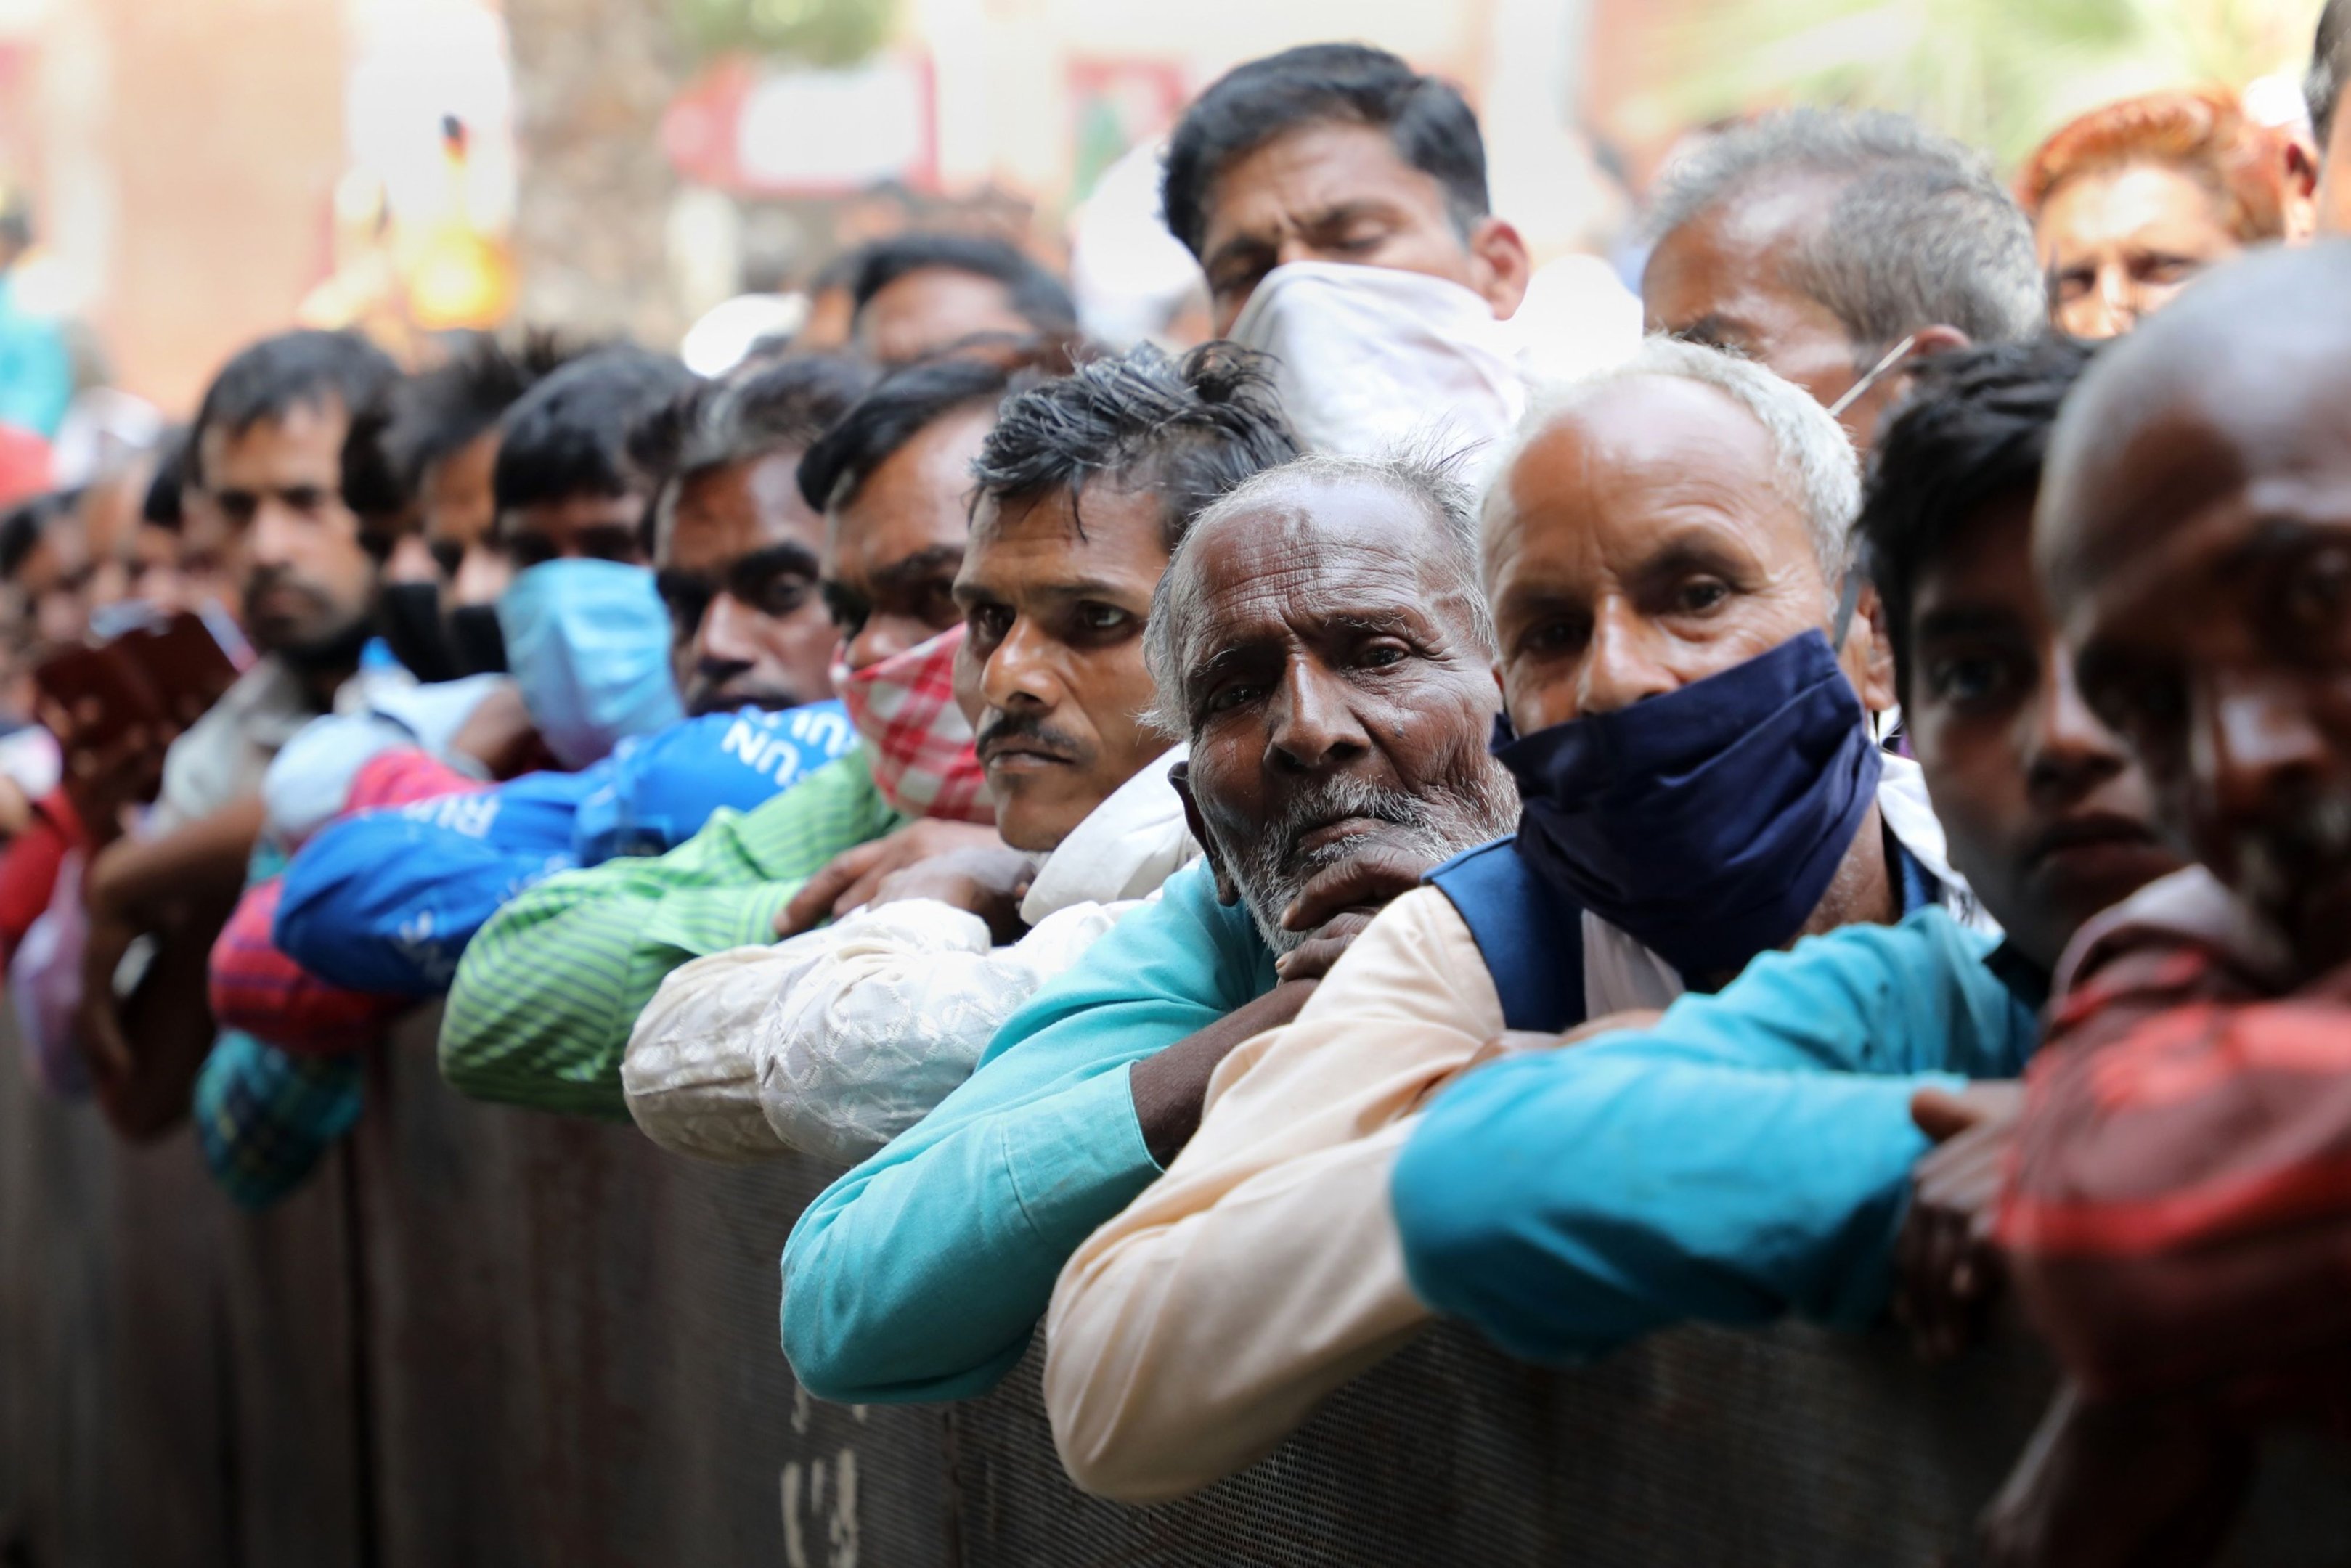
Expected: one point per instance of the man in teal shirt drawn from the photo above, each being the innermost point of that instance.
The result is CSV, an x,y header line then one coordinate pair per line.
x,y
1750,1153
1338,602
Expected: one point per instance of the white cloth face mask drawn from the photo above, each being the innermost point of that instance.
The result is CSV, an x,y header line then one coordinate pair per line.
x,y
1369,358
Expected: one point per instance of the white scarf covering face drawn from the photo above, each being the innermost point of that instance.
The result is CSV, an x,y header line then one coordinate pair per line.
x,y
1370,358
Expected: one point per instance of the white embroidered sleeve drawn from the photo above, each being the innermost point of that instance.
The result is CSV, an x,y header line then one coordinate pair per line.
x,y
895,1014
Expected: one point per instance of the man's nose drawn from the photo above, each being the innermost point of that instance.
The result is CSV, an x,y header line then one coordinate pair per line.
x,y
2067,751
1620,665
1019,671
278,529
1313,726
2118,304
727,634
2256,747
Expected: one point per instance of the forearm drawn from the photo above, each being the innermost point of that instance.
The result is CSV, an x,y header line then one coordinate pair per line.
x,y
1169,1087
1193,1344
924,1279
202,864
544,999
1570,1203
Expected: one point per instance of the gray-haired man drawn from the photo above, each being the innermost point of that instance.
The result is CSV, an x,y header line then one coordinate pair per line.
x,y
1831,245
1337,696
1665,553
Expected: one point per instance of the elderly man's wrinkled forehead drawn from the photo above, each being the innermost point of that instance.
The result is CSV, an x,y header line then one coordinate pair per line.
x,y
1649,448
1313,550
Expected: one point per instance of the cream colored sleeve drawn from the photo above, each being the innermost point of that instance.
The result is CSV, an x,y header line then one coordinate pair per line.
x,y
1189,1335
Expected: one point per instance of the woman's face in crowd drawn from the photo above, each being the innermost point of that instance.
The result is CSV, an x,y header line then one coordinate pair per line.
x,y
2118,243
1648,544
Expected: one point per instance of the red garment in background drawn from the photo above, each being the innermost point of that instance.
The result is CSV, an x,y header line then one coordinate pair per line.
x,y
254,987
2178,1214
28,869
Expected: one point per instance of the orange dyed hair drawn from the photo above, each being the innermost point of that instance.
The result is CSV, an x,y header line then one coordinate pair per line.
x,y
2202,129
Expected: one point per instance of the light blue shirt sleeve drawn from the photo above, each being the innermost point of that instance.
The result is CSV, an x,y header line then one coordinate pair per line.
x,y
921,1274
1748,1156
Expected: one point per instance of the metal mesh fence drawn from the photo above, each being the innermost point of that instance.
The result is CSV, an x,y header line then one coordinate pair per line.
x,y
487,1337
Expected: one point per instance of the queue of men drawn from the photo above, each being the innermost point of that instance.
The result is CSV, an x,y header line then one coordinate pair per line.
x,y
1845,812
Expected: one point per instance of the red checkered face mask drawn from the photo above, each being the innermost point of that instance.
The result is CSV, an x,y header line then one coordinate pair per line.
x,y
905,708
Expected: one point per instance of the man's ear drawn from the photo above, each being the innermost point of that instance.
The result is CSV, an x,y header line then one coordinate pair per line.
x,y
1867,656
2301,206
1499,268
1180,776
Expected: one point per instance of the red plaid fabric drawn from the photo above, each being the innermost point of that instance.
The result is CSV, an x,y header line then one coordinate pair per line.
x,y
905,710
255,988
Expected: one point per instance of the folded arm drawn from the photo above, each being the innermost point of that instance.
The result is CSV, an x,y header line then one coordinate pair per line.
x,y
1746,1157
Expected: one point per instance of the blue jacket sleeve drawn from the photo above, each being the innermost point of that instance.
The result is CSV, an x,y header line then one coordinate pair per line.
x,y
1748,1156
920,1274
387,900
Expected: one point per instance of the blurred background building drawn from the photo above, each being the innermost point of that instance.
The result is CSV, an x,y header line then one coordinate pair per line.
x,y
202,170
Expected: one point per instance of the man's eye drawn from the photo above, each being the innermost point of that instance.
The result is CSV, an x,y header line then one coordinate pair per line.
x,y
1559,635
306,499
990,623
1224,699
1698,597
783,596
1380,655
2074,283
1101,617
938,606
1966,680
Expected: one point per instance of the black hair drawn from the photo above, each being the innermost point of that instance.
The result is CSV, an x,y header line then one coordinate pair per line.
x,y
1974,429
1187,429
24,524
2330,62
378,494
1428,122
267,380
898,408
437,413
569,434
173,452
1037,296
786,405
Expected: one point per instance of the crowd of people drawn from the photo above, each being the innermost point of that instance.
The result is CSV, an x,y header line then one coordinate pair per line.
x,y
1240,854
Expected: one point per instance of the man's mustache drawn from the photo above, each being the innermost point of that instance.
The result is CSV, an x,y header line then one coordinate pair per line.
x,y
1006,728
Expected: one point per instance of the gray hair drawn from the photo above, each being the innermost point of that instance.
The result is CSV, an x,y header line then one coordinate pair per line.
x,y
1920,233
1428,481
1817,470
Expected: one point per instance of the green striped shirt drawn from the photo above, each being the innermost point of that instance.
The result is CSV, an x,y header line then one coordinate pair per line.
x,y
540,1011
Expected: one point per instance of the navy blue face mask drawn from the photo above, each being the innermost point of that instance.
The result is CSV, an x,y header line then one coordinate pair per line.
x,y
1709,821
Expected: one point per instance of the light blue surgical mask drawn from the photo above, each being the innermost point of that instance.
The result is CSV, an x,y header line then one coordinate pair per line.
x,y
589,642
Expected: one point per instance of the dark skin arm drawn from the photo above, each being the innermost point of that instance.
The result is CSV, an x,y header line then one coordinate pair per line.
x,y
1168,1087
144,1052
855,875
1947,1267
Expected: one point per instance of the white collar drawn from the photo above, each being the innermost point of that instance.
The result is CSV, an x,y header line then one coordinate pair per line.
x,y
1125,848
